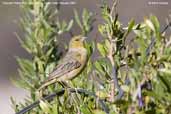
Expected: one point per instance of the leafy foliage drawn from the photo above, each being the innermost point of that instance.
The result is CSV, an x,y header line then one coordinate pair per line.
x,y
129,75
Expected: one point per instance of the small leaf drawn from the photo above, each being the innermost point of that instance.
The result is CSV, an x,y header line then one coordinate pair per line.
x,y
45,106
131,25
102,30
155,23
125,88
101,49
102,94
107,44
98,66
50,67
150,24
77,19
70,25
84,109
97,111
165,72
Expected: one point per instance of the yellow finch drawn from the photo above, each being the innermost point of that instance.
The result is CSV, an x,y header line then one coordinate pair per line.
x,y
71,65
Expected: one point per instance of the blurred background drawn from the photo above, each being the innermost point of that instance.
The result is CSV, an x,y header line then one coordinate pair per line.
x,y
10,47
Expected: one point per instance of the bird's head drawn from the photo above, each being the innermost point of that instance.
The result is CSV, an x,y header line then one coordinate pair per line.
x,y
77,42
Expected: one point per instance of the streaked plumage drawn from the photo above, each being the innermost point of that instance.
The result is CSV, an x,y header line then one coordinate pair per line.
x,y
71,65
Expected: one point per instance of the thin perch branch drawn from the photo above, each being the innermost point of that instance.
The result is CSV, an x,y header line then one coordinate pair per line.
x,y
61,92
113,7
153,40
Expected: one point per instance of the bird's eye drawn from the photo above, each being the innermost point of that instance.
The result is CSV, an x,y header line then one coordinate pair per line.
x,y
76,39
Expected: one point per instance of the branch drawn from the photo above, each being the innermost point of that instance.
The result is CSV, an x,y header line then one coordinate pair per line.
x,y
112,49
113,9
61,92
116,84
151,45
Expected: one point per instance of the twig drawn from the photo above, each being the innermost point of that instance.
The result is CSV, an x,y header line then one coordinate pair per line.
x,y
113,9
167,26
112,49
61,92
114,82
152,43
149,48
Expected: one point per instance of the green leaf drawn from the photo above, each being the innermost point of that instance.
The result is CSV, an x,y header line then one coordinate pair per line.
x,y
84,109
102,30
125,88
21,83
155,22
86,17
77,19
98,66
131,25
101,49
150,24
104,67
45,106
50,67
107,44
70,25
102,94
14,104
54,109
97,111
165,72
26,66
49,52
90,48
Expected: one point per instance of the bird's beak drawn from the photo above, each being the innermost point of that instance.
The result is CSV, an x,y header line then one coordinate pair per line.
x,y
83,38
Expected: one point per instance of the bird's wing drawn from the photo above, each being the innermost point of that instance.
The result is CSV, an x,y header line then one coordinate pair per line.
x,y
67,64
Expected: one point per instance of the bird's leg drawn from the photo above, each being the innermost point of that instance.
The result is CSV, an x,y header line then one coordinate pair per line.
x,y
44,86
39,92
64,84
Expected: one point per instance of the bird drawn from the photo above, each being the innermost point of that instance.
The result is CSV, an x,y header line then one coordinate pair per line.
x,y
70,66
